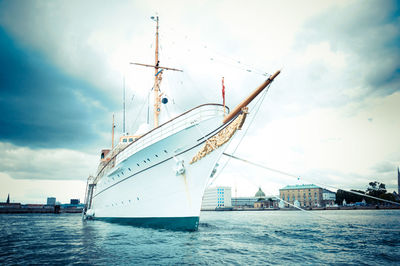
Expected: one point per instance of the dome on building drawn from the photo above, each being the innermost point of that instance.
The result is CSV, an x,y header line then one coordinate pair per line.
x,y
260,194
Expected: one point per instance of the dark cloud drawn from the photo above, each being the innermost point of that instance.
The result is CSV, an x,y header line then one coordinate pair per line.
x,y
369,35
41,106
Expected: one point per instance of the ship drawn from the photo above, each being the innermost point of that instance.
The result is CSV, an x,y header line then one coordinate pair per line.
x,y
157,179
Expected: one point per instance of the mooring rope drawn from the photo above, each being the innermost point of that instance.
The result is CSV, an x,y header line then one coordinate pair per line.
x,y
296,176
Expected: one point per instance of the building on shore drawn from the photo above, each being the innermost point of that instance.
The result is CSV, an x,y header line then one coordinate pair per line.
x,y
264,201
216,197
51,201
306,196
244,202
260,200
328,197
75,201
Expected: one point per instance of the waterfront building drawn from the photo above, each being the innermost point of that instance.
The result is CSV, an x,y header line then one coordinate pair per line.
x,y
216,197
264,201
243,202
51,201
328,197
74,201
307,195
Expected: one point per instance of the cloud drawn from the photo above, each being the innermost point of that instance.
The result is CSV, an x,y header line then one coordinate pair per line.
x,y
46,164
332,146
43,107
36,191
369,35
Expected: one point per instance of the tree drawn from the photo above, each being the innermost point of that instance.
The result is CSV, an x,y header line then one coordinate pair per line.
x,y
376,189
348,196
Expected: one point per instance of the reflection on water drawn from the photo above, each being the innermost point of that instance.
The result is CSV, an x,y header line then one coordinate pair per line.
x,y
273,237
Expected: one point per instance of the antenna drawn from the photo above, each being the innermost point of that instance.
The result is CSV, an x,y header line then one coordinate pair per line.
x,y
124,109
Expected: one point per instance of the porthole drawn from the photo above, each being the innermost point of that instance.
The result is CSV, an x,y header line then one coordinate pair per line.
x,y
165,151
156,155
144,161
148,159
129,169
138,164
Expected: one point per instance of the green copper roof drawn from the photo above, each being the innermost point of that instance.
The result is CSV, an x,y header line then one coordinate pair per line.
x,y
260,193
301,186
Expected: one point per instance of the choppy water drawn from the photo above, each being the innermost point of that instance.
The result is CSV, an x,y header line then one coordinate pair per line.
x,y
243,238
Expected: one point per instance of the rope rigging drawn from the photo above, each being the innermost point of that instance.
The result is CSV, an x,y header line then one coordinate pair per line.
x,y
320,184
257,107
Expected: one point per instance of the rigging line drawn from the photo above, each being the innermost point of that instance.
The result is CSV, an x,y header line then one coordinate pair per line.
x,y
259,101
309,212
141,109
321,184
248,67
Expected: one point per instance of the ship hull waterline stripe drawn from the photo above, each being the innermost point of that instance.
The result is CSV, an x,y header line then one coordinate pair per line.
x,y
225,125
170,223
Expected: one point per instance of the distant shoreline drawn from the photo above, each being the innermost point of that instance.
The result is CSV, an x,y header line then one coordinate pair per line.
x,y
377,207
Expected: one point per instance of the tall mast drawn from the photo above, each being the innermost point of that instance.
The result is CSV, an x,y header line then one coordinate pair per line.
x,y
156,82
158,70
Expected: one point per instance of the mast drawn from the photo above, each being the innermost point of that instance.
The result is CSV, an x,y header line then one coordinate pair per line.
x,y
156,82
158,70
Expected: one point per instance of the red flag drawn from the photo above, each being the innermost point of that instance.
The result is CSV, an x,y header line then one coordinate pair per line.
x,y
223,92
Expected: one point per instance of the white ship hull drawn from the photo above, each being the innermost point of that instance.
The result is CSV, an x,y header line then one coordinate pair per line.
x,y
153,183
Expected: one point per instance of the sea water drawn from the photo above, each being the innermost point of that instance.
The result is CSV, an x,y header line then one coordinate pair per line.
x,y
232,237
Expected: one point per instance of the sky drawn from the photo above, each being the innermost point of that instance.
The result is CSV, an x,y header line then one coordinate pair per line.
x,y
332,117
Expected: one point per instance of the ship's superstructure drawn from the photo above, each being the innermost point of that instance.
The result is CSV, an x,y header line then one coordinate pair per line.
x,y
158,179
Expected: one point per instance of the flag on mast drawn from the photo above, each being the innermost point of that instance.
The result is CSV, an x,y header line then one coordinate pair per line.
x,y
223,93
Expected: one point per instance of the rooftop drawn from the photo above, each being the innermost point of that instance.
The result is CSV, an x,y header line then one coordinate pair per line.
x,y
309,186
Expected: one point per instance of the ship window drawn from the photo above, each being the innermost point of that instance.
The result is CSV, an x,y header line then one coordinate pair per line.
x,y
137,198
156,155
122,173
129,169
124,140
130,139
138,164
144,161
148,159
165,151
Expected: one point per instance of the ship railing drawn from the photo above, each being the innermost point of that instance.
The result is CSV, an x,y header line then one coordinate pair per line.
x,y
186,120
